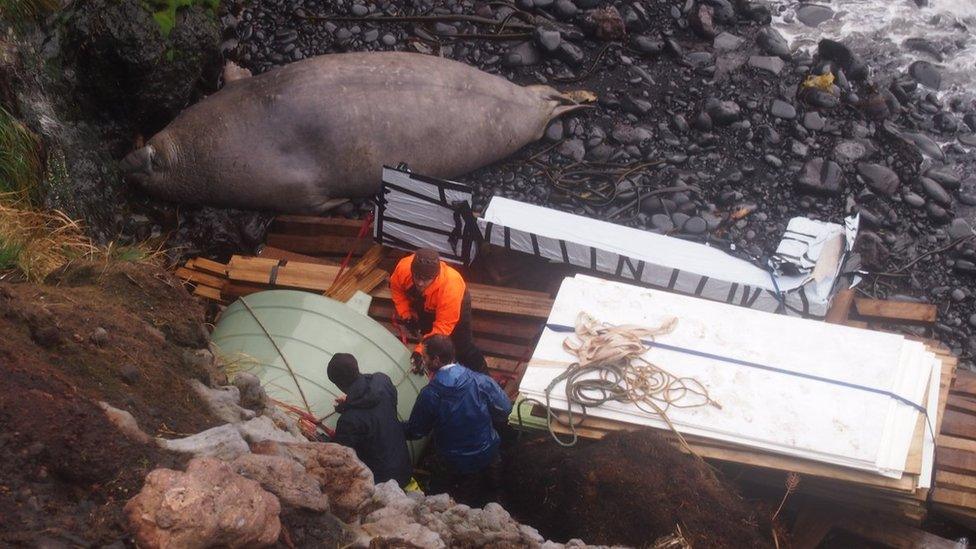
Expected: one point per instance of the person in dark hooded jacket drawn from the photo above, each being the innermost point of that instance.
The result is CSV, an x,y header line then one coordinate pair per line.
x,y
369,423
460,406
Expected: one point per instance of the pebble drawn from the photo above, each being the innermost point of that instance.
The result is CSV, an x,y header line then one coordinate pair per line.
x,y
972,320
936,212
679,219
695,225
854,67
727,42
769,64
960,228
945,178
782,109
812,15
703,122
821,176
821,99
925,145
925,74
879,179
965,266
573,148
958,295
548,40
662,222
523,55
648,46
935,191
813,121
773,160
99,337
359,10
913,200
570,54
773,43
565,8
370,36
388,40
555,131
848,152
968,139
723,113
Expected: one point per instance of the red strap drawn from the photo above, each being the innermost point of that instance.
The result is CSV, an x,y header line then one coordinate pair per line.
x,y
363,230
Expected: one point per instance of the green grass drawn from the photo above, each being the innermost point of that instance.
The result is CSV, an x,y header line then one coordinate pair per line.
x,y
23,11
9,255
20,162
164,11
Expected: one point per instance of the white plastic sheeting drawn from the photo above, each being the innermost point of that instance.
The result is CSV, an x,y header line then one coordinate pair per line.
x,y
676,264
768,410
415,211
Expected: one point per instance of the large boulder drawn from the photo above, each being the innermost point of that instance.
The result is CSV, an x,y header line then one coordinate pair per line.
x,y
285,478
143,65
208,505
224,442
346,480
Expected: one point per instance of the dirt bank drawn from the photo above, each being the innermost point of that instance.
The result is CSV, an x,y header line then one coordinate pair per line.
x,y
121,333
629,488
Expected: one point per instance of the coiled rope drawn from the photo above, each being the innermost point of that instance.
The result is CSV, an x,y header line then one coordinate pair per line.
x,y
611,367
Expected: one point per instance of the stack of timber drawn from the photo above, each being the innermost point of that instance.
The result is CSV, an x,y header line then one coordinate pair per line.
x,y
954,494
305,253
899,499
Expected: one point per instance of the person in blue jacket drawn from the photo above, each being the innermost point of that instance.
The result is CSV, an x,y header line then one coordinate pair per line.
x,y
459,406
369,423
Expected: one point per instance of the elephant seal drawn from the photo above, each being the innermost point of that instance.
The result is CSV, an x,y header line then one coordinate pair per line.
x,y
297,137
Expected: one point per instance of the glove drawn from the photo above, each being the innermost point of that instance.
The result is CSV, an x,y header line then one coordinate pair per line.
x,y
417,363
412,326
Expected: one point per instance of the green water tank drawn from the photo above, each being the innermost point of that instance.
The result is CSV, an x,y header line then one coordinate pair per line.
x,y
268,332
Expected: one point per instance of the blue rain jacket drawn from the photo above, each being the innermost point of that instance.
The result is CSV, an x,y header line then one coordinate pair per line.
x,y
459,405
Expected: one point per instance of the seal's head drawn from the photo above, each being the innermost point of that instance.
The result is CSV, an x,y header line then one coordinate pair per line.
x,y
153,167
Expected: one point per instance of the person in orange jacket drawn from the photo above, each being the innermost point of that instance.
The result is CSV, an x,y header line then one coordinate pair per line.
x,y
431,297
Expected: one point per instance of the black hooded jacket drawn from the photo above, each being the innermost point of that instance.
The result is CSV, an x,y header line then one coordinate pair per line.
x,y
369,425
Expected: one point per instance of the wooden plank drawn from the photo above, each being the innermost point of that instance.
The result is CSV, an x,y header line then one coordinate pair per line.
x,y
315,226
513,328
896,311
498,300
955,443
208,266
813,522
955,480
206,292
277,253
965,383
320,245
957,498
198,277
840,307
955,460
892,534
959,424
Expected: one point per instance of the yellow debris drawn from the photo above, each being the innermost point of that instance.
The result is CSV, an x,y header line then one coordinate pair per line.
x,y
823,81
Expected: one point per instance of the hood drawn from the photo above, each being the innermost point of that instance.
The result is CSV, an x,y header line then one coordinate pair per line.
x,y
365,392
453,380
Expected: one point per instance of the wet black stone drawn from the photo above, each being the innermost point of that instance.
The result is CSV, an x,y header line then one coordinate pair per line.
x,y
782,109
770,64
812,15
813,121
727,42
548,40
703,122
937,213
946,123
945,178
773,43
879,179
695,225
925,145
820,98
570,54
913,200
723,113
926,74
648,46
565,8
821,176
854,67
522,55
359,10
935,191
960,228
968,139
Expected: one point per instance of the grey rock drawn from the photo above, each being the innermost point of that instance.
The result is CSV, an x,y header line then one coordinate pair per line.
x,y
972,320
813,121
723,113
935,191
821,176
648,46
523,55
926,74
967,139
782,109
773,160
723,10
548,40
679,219
812,15
565,8
848,152
960,228
820,98
703,122
773,43
99,337
388,40
359,10
913,200
570,54
879,179
945,178
925,145
554,132
573,148
937,213
770,64
854,67
224,442
727,42
958,295
695,225
662,222
702,21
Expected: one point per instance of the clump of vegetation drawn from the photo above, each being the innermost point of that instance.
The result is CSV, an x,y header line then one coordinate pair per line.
x,y
22,11
20,159
34,243
164,11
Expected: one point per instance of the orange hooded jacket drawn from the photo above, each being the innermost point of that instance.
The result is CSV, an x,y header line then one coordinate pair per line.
x,y
443,297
